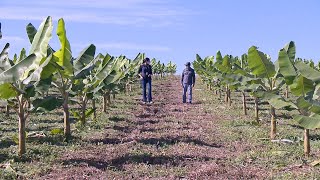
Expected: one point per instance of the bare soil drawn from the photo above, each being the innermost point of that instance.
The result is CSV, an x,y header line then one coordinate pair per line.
x,y
165,140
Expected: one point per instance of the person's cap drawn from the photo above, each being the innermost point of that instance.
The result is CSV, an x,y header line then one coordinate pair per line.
x,y
188,64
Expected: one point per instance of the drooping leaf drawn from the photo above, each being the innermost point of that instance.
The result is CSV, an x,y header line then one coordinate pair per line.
x,y
46,104
308,72
7,91
308,122
259,64
4,58
17,71
85,57
286,67
301,86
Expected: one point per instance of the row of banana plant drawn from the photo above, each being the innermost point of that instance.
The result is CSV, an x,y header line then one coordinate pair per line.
x,y
161,69
26,79
255,73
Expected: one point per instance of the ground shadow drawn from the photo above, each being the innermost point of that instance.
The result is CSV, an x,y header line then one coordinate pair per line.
x,y
116,119
163,141
142,122
3,157
125,129
295,126
118,163
315,137
107,141
5,143
143,115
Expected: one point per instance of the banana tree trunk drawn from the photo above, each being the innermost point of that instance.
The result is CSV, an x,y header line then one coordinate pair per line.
x,y
106,101
244,103
94,108
256,109
83,110
273,123
226,96
22,128
287,92
220,94
7,110
66,114
306,143
229,96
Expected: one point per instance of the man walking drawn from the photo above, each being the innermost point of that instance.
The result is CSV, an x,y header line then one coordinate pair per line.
x,y
188,80
145,73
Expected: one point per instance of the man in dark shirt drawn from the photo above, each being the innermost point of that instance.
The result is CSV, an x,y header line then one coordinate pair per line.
x,y
188,80
145,73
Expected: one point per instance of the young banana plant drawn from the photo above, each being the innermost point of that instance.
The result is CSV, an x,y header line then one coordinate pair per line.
x,y
304,83
268,79
18,81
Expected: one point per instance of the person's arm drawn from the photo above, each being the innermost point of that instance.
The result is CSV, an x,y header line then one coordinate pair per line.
x,y
182,76
150,71
139,72
193,78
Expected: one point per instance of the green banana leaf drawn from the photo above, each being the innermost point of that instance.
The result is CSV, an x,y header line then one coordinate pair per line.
x,y
4,58
7,91
46,104
18,71
286,66
308,122
64,53
308,72
290,48
301,86
41,39
259,64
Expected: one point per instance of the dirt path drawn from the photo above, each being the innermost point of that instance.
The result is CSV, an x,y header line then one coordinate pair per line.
x,y
166,140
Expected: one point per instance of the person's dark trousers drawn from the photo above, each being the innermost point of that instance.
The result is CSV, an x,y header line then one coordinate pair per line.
x,y
146,85
187,88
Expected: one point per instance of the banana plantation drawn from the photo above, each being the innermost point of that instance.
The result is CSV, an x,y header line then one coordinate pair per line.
x,y
80,116
289,83
28,80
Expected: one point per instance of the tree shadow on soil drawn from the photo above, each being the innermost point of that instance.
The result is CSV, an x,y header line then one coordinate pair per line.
x,y
116,119
125,129
142,122
3,157
160,142
107,141
5,143
118,163
143,115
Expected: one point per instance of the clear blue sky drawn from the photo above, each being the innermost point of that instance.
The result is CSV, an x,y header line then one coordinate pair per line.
x,y
170,29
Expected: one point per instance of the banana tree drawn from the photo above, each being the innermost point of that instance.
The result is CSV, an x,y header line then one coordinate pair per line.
x,y
171,68
60,71
18,81
108,76
304,83
82,86
132,74
268,79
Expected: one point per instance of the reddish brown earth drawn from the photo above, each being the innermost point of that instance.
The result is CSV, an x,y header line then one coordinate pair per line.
x,y
166,140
